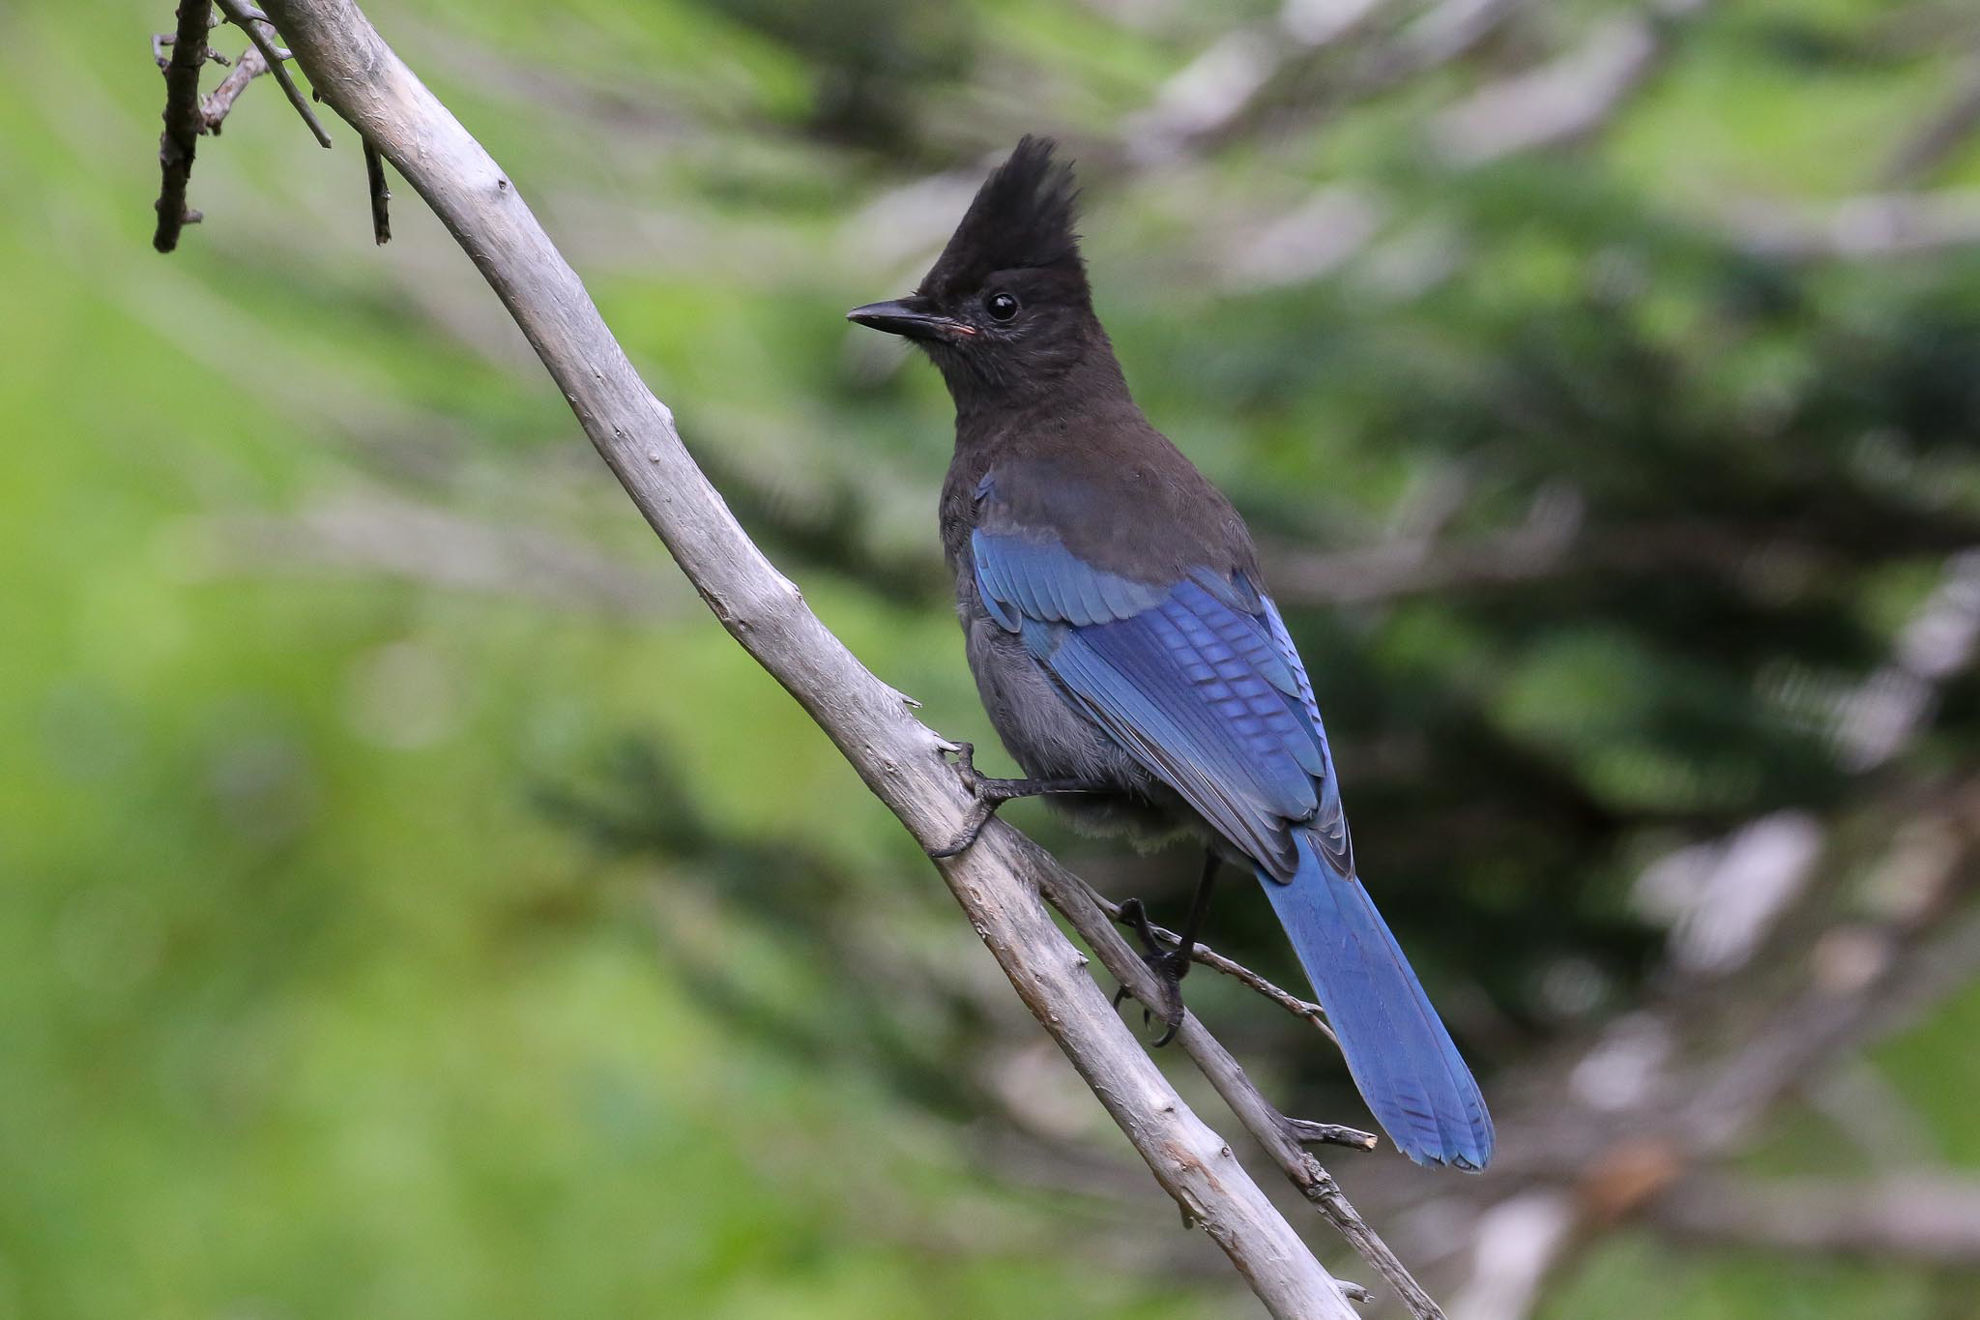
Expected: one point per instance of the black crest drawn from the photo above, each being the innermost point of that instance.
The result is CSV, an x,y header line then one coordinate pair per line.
x,y
1022,218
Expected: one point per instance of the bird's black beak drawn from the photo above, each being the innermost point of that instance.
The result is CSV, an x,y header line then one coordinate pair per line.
x,y
912,318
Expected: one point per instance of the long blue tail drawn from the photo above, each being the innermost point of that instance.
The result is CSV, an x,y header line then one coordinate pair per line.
x,y
1401,1057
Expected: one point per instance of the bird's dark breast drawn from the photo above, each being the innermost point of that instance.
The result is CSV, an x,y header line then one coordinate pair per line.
x,y
1072,475
1106,484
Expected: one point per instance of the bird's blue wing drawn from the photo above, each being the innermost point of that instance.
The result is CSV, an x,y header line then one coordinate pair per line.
x,y
1198,680
1195,678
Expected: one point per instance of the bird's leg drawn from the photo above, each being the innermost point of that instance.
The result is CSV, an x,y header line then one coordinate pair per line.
x,y
1171,965
993,793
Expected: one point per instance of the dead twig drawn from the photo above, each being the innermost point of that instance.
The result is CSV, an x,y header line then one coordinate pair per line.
x,y
1569,98
1925,1217
214,106
180,140
188,114
1237,971
160,40
999,881
374,178
1282,1138
436,548
251,21
1935,141
1873,226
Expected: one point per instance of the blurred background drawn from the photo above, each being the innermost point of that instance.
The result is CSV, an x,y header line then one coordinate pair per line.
x,y
413,905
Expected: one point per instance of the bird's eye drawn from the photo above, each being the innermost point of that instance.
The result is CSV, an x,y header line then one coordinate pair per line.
x,y
1002,306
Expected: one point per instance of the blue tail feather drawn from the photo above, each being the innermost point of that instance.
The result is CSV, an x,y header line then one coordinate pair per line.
x,y
1402,1058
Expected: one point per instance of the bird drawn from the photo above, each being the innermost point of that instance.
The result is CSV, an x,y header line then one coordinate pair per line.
x,y
1126,649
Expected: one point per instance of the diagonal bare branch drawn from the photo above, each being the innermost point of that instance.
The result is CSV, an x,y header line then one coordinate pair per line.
x,y
999,881
1927,1217
1282,1138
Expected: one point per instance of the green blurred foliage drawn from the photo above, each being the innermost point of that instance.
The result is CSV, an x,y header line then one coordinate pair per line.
x,y
378,943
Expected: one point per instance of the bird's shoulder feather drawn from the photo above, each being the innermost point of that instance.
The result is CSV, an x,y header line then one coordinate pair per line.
x,y
1195,678
1119,497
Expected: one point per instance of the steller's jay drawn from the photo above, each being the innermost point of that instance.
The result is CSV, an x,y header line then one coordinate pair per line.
x,y
1124,645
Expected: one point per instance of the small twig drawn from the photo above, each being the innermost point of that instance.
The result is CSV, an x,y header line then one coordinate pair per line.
x,y
1237,971
1516,1245
1867,227
160,40
1309,1133
1282,1139
999,883
439,549
179,141
1571,97
1093,917
213,108
252,23
1933,143
381,195
1932,1217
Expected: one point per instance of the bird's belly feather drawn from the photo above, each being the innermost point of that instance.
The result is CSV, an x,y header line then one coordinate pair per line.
x,y
1051,738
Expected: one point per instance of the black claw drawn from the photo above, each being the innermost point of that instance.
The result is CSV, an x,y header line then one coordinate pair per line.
x,y
1169,966
991,794
979,816
966,767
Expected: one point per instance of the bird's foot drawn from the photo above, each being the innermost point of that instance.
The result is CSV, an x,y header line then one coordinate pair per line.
x,y
1169,966
990,794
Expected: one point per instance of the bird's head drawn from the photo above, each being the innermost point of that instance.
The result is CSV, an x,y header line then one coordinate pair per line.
x,y
1005,309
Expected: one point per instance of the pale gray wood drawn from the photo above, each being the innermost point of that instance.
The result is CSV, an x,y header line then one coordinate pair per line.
x,y
899,758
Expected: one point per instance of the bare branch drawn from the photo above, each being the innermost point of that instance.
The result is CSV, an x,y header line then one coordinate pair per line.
x,y
160,40
1870,227
1926,1217
1442,34
1556,541
1237,971
1319,236
1309,1133
998,881
1221,86
213,108
1568,98
438,548
1940,136
381,195
1280,1136
1647,1119
1721,900
180,140
1546,544
1518,1244
1894,703
251,21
